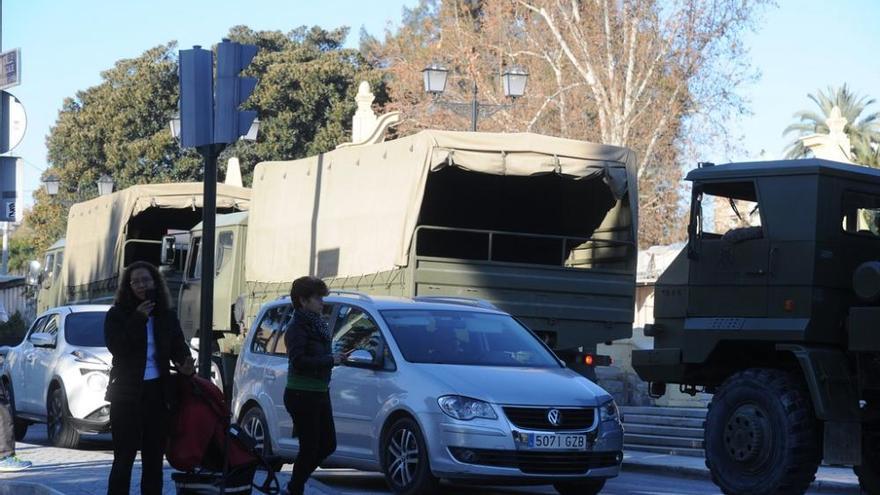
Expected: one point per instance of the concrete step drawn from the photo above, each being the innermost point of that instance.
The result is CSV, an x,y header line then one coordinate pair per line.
x,y
662,441
664,431
644,419
665,450
681,412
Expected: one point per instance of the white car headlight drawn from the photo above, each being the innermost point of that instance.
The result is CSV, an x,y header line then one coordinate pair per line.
x,y
97,381
465,408
87,357
609,412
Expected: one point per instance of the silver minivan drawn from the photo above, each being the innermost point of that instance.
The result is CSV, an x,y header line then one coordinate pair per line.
x,y
437,388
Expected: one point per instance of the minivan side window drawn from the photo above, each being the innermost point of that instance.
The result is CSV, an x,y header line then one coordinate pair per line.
x,y
356,330
281,345
269,324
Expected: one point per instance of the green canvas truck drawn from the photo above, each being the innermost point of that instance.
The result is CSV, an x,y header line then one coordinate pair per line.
x,y
774,307
542,227
107,233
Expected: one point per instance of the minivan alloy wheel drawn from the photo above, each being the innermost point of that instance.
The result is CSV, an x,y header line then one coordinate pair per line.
x,y
404,455
405,459
254,424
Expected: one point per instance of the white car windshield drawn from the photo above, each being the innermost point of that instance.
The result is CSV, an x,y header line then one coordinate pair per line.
x,y
85,329
467,338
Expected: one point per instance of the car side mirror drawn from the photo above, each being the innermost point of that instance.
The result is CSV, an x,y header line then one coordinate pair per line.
x,y
42,340
167,256
361,358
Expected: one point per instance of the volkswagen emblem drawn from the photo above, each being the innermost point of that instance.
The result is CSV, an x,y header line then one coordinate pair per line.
x,y
554,417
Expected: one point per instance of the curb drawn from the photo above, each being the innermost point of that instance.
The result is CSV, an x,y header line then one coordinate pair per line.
x,y
818,485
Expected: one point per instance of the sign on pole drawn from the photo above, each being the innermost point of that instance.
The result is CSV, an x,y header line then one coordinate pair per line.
x,y
13,122
10,68
8,175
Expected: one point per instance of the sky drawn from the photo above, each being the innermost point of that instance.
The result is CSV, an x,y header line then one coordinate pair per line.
x,y
800,46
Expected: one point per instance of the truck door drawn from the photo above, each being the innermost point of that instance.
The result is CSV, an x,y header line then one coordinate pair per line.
x,y
729,252
190,294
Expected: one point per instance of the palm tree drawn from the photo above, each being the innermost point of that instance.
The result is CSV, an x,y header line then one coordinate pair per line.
x,y
863,131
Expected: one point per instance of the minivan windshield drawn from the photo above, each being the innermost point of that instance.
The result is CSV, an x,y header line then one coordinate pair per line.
x,y
466,337
85,329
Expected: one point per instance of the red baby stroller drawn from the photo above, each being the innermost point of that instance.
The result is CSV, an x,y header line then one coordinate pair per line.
x,y
213,456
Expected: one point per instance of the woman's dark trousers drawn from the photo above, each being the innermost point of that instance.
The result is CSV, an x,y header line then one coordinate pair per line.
x,y
313,424
139,425
7,423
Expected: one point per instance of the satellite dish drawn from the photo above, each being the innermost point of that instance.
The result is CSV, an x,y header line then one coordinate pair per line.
x,y
13,123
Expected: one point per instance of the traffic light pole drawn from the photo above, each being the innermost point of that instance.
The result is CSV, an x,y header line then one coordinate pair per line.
x,y
209,221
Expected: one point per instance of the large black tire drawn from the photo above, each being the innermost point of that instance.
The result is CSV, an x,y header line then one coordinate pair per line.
x,y
586,487
254,424
58,423
405,459
761,436
869,471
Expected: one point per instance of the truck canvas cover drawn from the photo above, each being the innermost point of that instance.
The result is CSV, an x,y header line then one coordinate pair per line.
x,y
97,229
360,205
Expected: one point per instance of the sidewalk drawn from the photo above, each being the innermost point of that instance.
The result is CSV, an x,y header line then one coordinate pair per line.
x,y
828,479
85,471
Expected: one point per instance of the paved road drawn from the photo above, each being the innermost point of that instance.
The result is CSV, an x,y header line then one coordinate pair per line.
x,y
629,483
84,472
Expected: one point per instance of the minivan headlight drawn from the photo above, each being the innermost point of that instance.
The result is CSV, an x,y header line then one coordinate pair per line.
x,y
465,408
609,412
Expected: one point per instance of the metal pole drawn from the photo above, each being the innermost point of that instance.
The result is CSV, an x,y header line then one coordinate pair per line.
x,y
475,109
209,211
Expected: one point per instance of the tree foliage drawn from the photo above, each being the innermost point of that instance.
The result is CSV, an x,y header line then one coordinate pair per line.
x,y
657,76
863,129
304,100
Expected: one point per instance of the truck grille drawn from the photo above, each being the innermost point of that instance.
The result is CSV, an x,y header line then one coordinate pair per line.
x,y
538,462
535,418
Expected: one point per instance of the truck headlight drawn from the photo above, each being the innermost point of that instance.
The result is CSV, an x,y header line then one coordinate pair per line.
x,y
609,412
465,408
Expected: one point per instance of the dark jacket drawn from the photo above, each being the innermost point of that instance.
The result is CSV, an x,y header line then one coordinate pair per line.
x,y
308,352
126,337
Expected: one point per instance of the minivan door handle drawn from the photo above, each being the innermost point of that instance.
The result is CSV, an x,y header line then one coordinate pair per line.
x,y
269,375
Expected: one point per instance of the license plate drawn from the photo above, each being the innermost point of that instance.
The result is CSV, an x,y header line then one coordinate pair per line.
x,y
553,441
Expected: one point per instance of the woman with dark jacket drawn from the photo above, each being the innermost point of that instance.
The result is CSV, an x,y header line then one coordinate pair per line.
x,y
143,335
307,396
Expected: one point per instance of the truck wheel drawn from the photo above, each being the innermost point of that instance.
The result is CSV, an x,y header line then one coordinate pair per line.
x,y
869,471
761,435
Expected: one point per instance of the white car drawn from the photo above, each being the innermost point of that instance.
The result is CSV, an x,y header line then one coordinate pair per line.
x,y
59,373
435,388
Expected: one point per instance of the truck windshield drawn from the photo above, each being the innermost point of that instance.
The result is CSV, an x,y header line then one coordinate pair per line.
x,y
467,338
85,329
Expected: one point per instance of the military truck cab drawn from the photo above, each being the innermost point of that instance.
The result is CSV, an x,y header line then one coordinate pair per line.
x,y
760,309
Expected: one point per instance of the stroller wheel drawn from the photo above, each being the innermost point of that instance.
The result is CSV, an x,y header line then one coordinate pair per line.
x,y
254,424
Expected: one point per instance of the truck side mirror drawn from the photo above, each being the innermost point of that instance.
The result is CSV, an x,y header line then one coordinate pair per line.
x,y
35,273
168,254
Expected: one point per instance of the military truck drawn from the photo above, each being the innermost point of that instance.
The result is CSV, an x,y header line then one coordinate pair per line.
x,y
774,307
542,227
107,233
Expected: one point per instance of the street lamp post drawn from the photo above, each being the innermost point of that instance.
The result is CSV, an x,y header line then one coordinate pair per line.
x,y
53,185
513,82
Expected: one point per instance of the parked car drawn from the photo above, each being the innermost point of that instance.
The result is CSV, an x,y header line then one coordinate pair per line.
x,y
59,373
437,388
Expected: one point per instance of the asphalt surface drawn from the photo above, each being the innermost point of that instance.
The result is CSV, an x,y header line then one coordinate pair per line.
x,y
84,472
